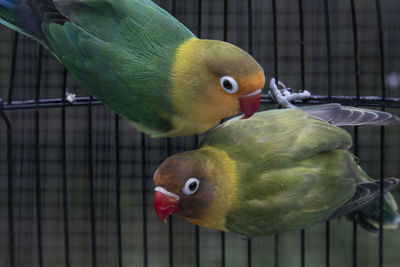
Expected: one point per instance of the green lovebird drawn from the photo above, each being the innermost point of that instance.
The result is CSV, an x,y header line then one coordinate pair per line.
x,y
142,63
278,171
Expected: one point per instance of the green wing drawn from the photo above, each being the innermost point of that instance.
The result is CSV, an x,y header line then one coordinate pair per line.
x,y
293,198
135,25
277,138
121,52
293,170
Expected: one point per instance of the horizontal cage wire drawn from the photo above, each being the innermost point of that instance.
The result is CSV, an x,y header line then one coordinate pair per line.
x,y
76,179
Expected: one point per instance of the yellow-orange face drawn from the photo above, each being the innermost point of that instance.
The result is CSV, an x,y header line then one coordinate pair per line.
x,y
213,80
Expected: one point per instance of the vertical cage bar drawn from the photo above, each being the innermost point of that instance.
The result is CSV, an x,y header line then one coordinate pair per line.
x,y
302,60
250,24
328,242
356,50
225,20
144,202
197,245
13,65
328,49
10,189
275,30
329,74
249,257
64,171
276,250
199,17
302,247
118,189
381,199
173,8
223,263
37,158
303,86
276,71
91,186
382,130
357,83
355,222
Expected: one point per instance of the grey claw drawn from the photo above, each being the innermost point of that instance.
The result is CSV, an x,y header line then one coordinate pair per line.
x,y
70,97
299,96
284,96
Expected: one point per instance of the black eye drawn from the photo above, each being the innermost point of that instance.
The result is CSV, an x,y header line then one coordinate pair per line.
x,y
229,85
191,186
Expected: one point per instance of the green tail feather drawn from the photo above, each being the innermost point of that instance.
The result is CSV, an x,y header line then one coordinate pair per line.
x,y
369,217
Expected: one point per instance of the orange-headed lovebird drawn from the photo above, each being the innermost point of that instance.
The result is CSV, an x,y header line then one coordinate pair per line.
x,y
142,63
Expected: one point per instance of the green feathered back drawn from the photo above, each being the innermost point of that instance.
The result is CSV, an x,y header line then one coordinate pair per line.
x,y
121,52
293,170
278,137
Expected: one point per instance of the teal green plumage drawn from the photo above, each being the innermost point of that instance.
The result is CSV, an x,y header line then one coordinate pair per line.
x,y
123,52
290,170
99,46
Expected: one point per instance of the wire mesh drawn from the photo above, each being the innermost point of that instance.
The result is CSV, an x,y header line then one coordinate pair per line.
x,y
75,179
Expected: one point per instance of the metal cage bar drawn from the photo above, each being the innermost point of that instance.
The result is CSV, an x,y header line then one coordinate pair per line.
x,y
37,159
64,173
118,189
10,165
355,133
10,188
382,129
92,197
144,196
362,101
13,64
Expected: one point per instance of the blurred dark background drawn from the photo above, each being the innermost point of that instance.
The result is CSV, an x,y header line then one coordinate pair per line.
x,y
37,143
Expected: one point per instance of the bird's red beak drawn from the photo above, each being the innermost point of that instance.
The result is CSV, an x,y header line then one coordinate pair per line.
x,y
165,204
250,103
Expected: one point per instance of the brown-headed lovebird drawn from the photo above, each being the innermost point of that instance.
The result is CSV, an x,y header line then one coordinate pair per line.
x,y
278,171
142,63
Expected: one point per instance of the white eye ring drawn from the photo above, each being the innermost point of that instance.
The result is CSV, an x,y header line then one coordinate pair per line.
x,y
229,85
191,186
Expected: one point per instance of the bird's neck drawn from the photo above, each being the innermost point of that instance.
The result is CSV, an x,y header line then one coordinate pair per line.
x,y
225,185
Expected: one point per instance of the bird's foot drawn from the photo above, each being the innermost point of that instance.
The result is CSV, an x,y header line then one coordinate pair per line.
x,y
285,95
70,97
